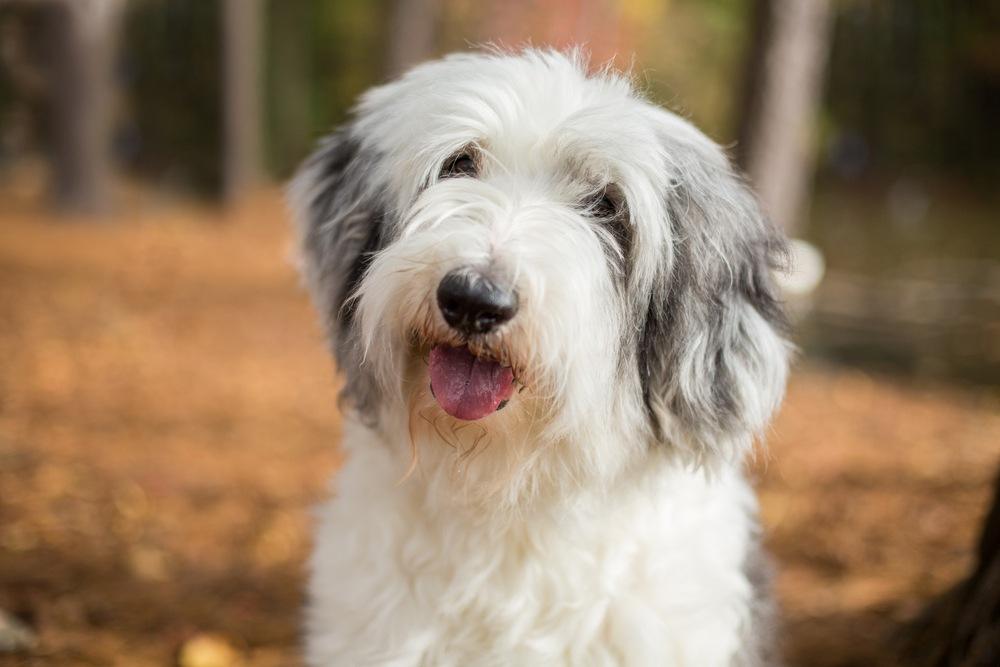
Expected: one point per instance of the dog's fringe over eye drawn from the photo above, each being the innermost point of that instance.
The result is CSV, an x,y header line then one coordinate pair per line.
x,y
459,165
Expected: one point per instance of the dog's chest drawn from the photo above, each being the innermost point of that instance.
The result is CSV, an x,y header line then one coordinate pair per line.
x,y
641,581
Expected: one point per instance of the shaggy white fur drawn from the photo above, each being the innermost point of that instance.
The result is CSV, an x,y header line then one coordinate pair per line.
x,y
601,516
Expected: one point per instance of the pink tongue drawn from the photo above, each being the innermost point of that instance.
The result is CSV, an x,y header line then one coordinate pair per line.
x,y
465,386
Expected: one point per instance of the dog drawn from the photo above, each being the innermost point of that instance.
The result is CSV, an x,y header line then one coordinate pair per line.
x,y
552,305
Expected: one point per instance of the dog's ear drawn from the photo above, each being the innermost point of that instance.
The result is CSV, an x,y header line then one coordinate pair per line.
x,y
340,219
712,357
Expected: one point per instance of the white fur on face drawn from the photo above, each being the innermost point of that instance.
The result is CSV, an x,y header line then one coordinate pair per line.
x,y
675,322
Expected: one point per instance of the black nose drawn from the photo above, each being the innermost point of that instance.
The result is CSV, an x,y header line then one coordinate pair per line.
x,y
473,304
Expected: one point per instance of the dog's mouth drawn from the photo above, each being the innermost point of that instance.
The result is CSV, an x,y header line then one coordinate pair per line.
x,y
468,387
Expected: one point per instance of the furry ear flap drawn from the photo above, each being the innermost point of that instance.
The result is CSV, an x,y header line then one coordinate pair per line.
x,y
712,357
340,219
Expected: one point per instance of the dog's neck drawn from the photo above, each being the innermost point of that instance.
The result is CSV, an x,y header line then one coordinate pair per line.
x,y
506,477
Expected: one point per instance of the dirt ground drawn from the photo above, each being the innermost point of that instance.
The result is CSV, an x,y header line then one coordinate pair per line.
x,y
168,418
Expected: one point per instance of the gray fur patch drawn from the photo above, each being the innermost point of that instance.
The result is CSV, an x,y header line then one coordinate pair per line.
x,y
697,347
760,646
344,226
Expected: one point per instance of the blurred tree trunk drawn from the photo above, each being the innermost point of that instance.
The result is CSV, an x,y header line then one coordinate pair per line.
x,y
413,28
290,84
962,627
789,46
82,41
241,160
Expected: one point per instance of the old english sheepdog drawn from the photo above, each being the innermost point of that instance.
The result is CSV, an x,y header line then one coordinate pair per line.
x,y
551,302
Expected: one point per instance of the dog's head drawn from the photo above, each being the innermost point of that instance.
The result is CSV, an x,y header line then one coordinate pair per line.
x,y
509,240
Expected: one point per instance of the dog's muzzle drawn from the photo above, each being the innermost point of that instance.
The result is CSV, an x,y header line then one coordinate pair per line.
x,y
465,385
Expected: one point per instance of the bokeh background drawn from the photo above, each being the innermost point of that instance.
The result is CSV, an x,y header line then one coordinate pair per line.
x,y
167,408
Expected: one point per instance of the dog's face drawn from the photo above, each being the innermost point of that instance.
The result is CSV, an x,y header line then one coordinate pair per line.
x,y
509,241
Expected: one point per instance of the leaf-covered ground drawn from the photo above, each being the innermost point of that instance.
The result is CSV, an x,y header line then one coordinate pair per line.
x,y
168,418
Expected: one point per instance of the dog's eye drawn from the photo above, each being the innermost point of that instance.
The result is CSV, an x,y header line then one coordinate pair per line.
x,y
603,205
607,207
460,165
621,233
